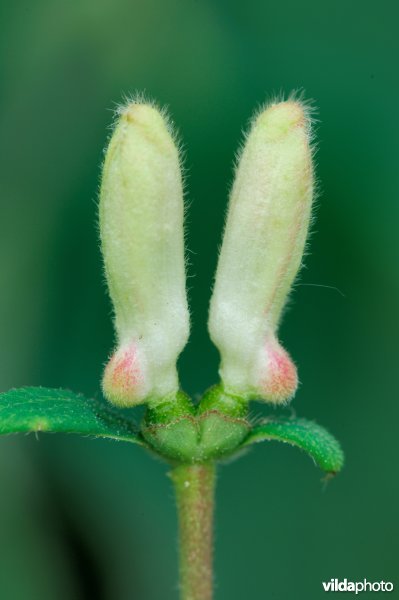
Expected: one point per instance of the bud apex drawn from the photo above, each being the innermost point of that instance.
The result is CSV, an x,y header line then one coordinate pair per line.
x,y
263,244
141,229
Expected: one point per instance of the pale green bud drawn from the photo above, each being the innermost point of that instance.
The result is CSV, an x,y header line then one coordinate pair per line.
x,y
141,228
263,245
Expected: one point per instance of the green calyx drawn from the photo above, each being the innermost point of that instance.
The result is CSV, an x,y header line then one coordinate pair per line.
x,y
182,432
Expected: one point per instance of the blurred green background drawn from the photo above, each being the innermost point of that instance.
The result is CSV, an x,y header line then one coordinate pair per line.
x,y
95,519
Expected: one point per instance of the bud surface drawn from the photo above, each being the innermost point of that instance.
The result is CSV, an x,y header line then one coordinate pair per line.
x,y
142,240
264,239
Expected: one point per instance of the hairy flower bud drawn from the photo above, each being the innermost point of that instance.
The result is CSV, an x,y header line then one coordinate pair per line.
x,y
141,229
263,244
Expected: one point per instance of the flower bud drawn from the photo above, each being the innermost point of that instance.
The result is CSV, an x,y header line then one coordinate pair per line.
x,y
141,230
263,244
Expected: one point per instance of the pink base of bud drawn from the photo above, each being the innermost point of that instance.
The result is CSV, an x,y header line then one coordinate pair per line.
x,y
279,379
123,380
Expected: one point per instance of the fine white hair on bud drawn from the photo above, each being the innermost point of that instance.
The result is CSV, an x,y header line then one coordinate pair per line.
x,y
141,229
264,240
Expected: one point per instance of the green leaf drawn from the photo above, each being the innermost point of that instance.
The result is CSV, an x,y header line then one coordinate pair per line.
x,y
32,409
310,437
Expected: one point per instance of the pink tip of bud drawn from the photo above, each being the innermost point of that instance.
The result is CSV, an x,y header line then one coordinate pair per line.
x,y
123,381
280,380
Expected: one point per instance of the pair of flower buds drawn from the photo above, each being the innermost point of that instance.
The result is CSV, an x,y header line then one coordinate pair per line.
x,y
141,228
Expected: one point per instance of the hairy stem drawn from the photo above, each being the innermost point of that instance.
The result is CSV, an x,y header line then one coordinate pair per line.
x,y
194,487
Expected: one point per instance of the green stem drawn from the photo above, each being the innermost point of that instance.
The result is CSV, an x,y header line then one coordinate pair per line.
x,y
194,487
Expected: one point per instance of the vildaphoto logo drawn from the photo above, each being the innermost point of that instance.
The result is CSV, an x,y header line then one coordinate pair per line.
x,y
335,585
